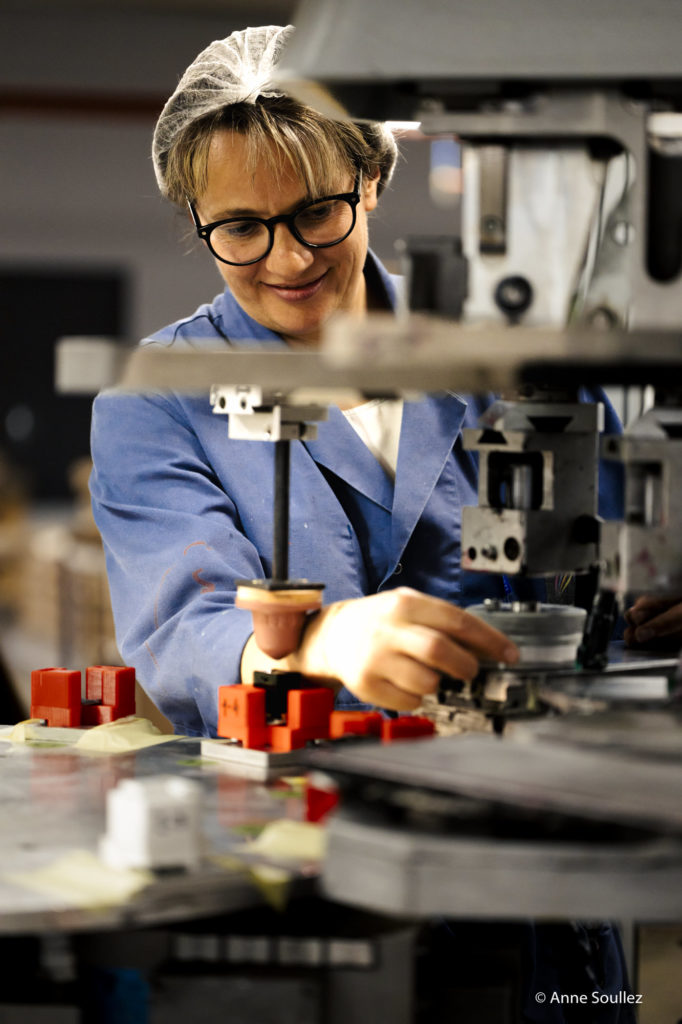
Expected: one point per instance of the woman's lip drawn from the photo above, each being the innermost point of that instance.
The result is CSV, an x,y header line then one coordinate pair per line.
x,y
295,293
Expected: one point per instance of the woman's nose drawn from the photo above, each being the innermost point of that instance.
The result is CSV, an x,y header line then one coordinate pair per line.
x,y
288,255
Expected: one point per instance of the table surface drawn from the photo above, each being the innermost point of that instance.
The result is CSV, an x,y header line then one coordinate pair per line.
x,y
53,800
52,803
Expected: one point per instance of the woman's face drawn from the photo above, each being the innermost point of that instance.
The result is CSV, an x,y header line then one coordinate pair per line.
x,y
293,290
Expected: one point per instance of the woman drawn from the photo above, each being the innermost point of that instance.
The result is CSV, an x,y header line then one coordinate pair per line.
x,y
184,511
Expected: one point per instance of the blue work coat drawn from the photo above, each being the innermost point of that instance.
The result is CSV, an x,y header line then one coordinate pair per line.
x,y
184,511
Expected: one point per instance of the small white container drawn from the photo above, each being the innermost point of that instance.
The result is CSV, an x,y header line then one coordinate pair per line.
x,y
153,823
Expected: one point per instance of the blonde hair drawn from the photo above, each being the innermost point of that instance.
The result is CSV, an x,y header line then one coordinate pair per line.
x,y
285,134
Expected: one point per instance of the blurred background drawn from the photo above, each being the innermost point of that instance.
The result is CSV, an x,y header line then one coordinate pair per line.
x,y
87,246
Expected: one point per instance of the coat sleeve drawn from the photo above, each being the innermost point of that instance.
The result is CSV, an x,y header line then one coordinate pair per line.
x,y
174,547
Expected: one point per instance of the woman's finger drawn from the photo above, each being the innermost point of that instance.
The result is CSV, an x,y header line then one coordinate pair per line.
x,y
436,652
385,691
468,630
409,675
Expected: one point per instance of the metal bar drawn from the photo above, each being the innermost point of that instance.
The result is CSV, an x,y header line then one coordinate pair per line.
x,y
280,545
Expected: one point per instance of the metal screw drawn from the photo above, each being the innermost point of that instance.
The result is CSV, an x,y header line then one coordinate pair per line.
x,y
602,318
491,225
514,295
622,232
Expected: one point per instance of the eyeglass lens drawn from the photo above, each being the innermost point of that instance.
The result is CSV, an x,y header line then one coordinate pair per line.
x,y
320,223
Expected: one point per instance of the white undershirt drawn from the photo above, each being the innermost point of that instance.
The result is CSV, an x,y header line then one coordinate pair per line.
x,y
378,424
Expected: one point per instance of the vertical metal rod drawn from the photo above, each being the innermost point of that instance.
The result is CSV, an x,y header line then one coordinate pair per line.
x,y
280,546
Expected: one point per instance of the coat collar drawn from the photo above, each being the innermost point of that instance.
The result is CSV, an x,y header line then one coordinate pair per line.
x,y
429,431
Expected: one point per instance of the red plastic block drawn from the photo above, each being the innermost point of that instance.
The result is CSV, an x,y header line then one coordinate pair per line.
x,y
93,683
281,739
354,723
98,714
308,713
56,696
310,709
406,727
114,687
321,797
241,715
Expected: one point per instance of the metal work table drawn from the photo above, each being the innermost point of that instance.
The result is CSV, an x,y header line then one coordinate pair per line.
x,y
617,772
195,941
53,802
575,815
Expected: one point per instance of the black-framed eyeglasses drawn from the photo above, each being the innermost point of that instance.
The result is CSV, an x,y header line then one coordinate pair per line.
x,y
318,224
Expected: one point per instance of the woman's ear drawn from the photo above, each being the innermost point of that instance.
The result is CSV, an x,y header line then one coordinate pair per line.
x,y
369,192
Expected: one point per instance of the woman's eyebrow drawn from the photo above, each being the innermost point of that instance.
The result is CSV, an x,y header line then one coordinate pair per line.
x,y
228,214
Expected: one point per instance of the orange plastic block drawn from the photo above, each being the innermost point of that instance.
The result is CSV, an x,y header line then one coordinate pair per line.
x,y
56,696
114,687
406,727
308,713
241,715
354,723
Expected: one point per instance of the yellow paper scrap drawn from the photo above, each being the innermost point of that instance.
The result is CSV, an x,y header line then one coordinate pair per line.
x,y
228,863
24,731
290,840
273,883
122,736
79,878
294,780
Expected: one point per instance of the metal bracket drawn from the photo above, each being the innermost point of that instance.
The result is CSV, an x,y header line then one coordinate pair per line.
x,y
258,415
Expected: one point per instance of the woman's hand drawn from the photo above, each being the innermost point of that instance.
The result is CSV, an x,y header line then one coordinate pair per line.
x,y
654,622
391,649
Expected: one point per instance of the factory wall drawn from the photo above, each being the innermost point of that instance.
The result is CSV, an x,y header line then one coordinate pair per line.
x,y
78,188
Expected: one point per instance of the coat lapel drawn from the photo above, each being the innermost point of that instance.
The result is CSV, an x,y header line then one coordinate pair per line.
x,y
429,431
339,449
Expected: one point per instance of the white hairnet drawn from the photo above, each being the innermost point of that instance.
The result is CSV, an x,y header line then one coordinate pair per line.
x,y
233,70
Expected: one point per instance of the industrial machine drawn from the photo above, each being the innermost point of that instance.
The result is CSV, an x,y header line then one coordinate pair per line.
x,y
571,132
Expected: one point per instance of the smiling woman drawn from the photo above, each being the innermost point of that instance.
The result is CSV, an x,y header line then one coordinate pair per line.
x,y
279,192
282,195
274,267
